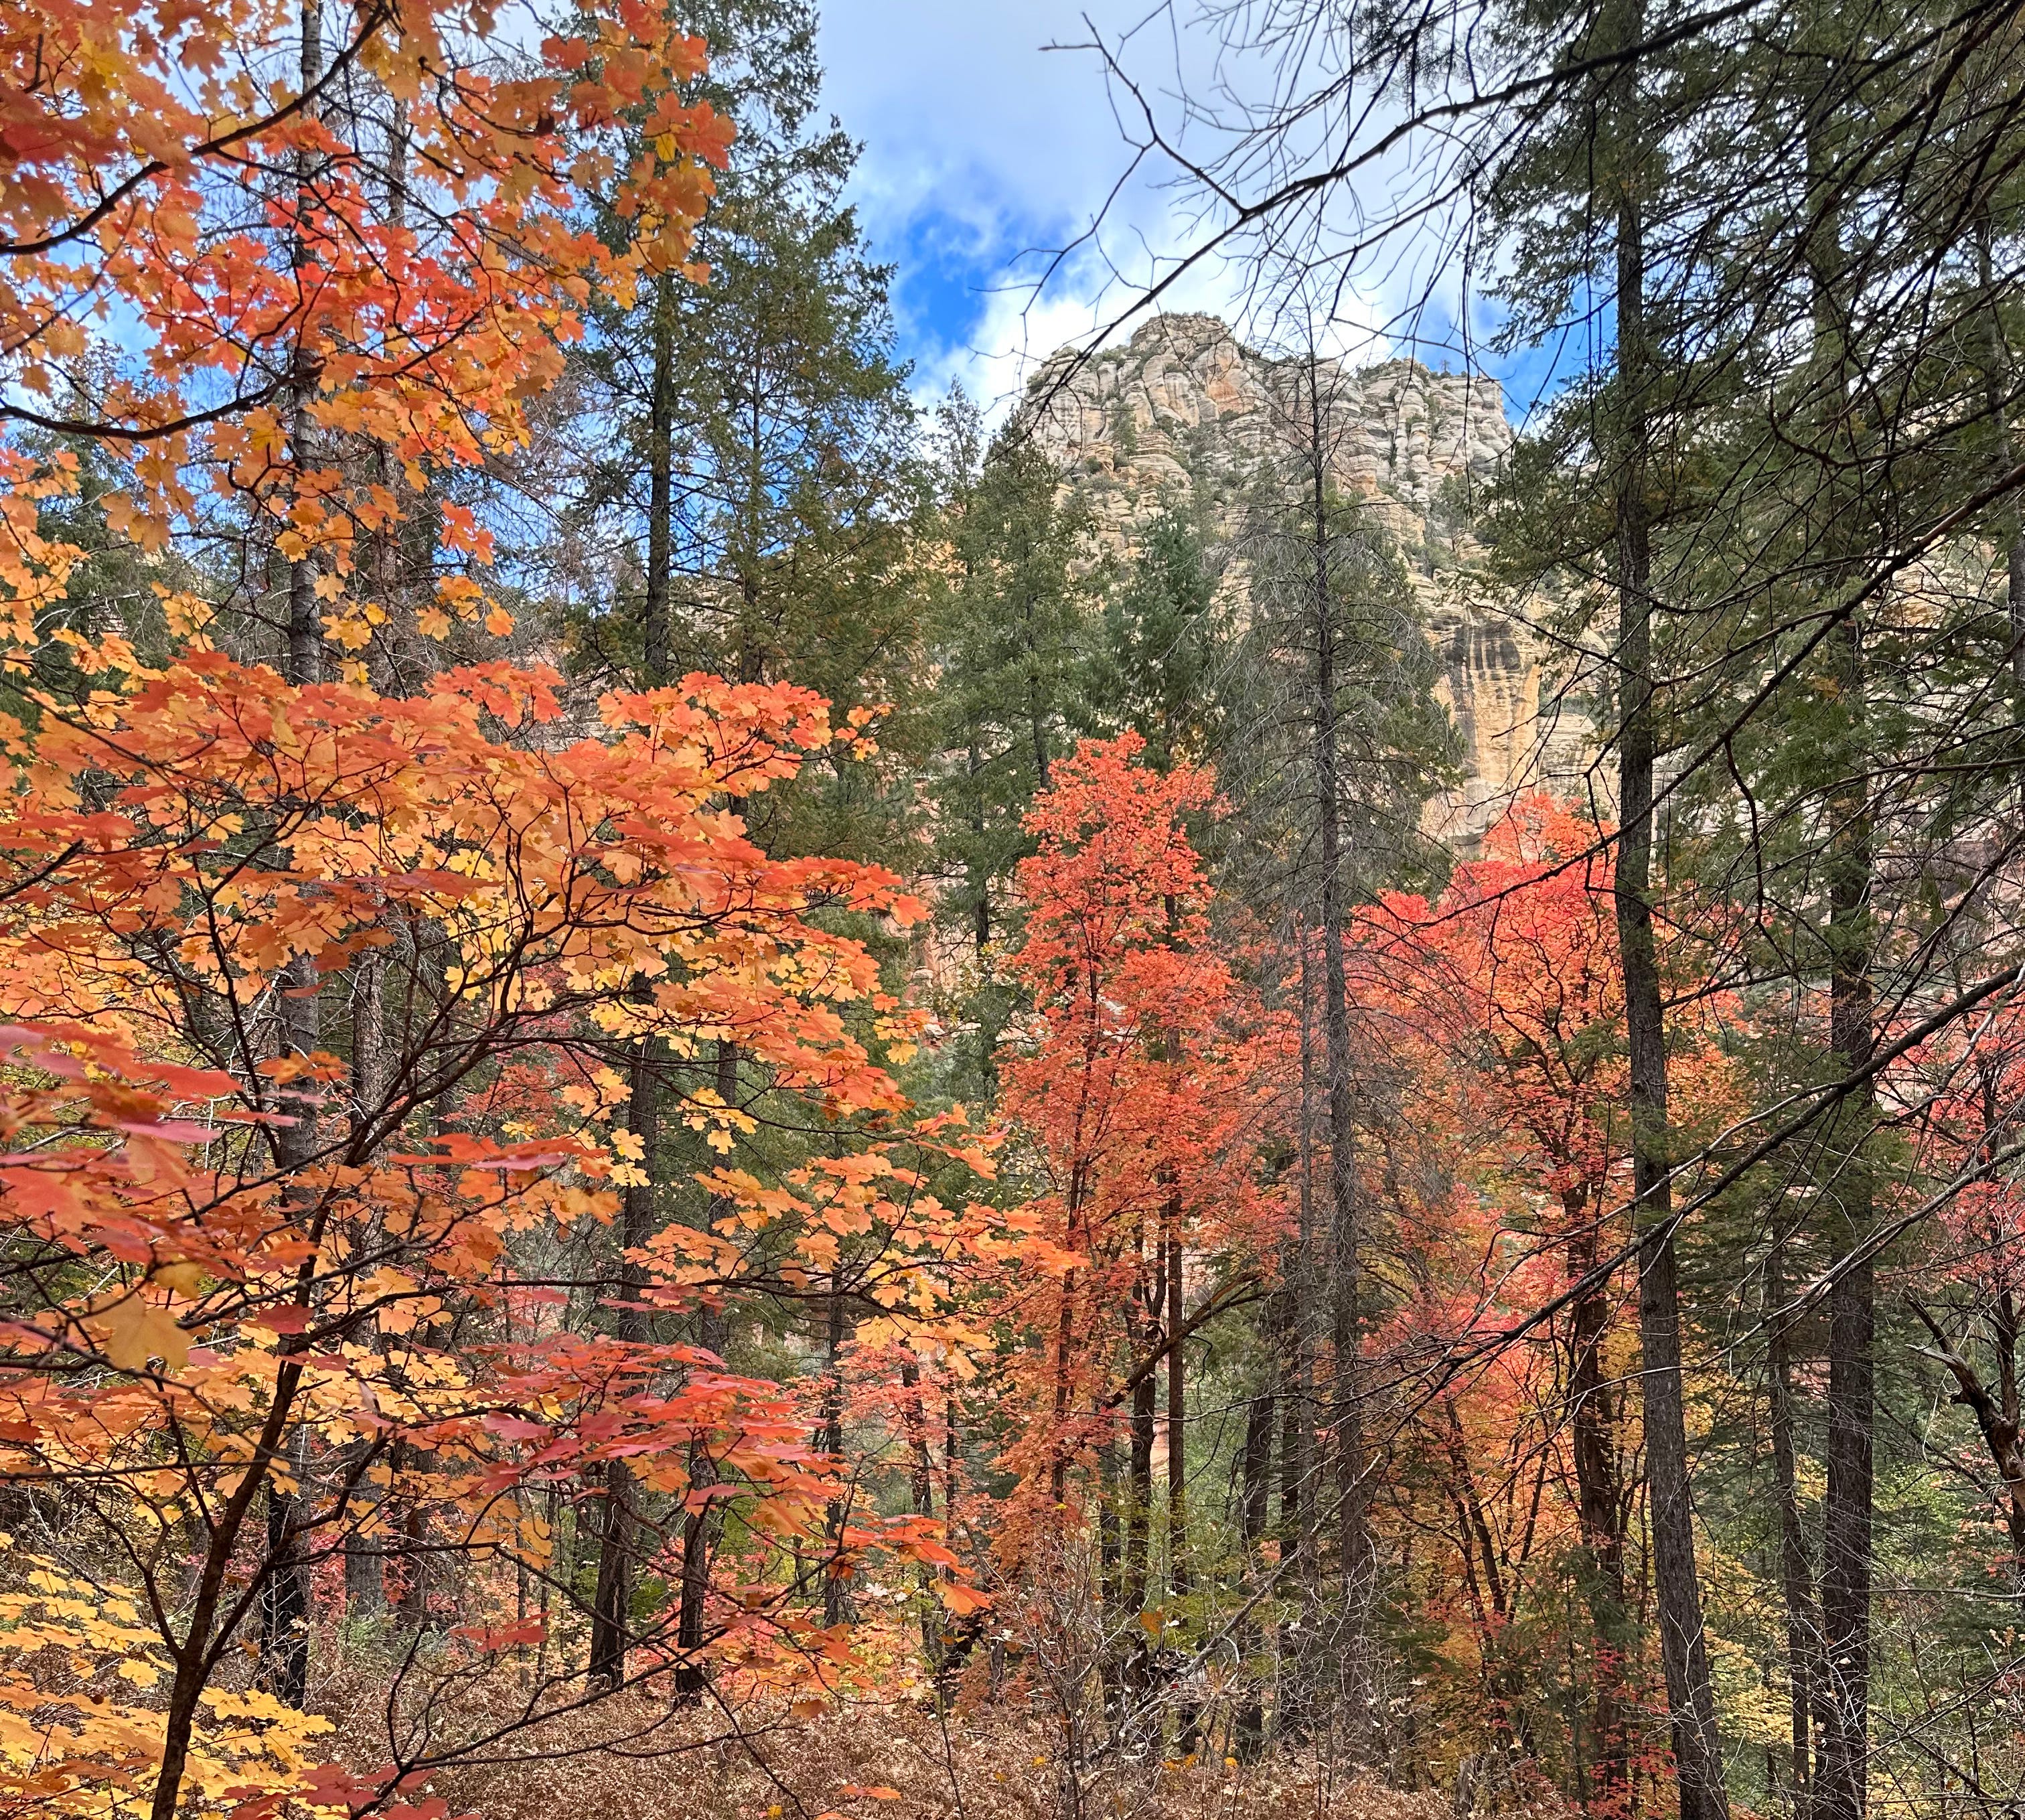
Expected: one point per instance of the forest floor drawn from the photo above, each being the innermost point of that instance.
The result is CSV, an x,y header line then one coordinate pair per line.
x,y
624,1758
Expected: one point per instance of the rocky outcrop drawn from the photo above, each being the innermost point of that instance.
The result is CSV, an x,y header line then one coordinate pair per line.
x,y
1185,399
1184,405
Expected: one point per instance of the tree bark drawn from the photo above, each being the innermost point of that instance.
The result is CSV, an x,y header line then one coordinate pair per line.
x,y
1178,1456
1297,1451
611,1617
618,1536
1354,1563
1600,1499
1139,1470
1997,381
1683,1646
1256,1468
1841,1775
1796,1573
1843,1790
654,629
699,1525
837,1584
285,1599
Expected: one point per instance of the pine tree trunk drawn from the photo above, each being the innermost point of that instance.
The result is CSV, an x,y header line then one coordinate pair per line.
x,y
610,1617
1297,1511
1256,1468
980,878
618,1536
1683,1645
365,1557
1997,382
699,1526
1796,1570
836,1585
1148,1297
920,1488
1599,1500
655,663
1177,1404
285,1601
1354,1563
1841,1791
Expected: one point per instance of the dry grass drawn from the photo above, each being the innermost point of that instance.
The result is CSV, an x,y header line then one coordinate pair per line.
x,y
873,1758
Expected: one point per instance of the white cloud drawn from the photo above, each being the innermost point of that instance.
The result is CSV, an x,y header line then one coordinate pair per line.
x,y
975,132
984,151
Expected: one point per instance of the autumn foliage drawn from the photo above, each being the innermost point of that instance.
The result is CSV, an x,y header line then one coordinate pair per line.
x,y
1140,1093
521,1265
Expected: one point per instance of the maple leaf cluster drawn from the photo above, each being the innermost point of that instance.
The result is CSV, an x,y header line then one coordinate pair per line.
x,y
214,1248
318,229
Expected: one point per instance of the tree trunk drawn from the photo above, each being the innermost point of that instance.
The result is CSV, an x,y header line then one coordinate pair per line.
x,y
618,1536
1683,1646
1256,1468
285,1601
836,1582
1297,1449
920,1488
305,657
365,1556
980,878
610,1617
1796,1573
1996,384
1354,1562
1177,1457
654,628
1139,1471
1842,1791
413,1611
700,1524
1600,1499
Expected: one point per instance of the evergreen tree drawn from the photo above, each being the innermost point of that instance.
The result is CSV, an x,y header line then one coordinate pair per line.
x,y
1009,631
1155,646
764,460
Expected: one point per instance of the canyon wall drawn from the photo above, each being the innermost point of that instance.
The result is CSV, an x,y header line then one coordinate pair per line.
x,y
1184,405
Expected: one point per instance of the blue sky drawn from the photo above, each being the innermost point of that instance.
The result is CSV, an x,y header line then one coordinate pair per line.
x,y
984,148
979,146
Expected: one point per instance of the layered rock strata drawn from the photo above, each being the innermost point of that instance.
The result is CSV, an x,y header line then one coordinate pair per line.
x,y
1183,405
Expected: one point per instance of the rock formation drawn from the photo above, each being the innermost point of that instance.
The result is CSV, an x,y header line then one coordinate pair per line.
x,y
1184,404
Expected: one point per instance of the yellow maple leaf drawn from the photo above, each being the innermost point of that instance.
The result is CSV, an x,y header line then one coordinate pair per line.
x,y
134,1331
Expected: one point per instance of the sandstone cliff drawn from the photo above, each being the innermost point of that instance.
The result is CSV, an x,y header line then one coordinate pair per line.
x,y
1185,402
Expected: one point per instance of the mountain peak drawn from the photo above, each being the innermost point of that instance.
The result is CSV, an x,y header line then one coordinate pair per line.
x,y
1184,399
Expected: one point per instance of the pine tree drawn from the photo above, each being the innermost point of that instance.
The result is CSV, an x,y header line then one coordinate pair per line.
x,y
1334,743
1009,629
1158,642
766,452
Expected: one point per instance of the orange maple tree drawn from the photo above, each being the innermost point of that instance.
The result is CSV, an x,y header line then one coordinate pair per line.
x,y
1506,999
1139,1095
234,1268
245,244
